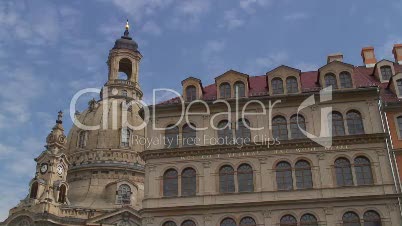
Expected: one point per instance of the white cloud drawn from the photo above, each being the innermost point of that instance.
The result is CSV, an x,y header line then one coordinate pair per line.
x,y
265,63
251,5
232,20
140,8
296,16
152,28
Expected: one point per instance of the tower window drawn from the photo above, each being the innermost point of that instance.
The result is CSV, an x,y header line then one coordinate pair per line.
x,y
82,139
224,90
62,194
330,80
386,72
125,137
239,89
277,86
346,80
124,194
191,93
125,66
291,85
34,190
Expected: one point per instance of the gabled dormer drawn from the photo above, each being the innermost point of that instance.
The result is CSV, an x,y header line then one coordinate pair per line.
x,y
337,74
192,89
284,80
232,83
395,85
384,70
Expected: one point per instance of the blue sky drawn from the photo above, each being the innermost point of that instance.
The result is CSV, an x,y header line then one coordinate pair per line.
x,y
51,49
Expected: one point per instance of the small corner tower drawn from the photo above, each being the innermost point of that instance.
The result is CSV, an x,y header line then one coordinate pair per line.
x,y
123,63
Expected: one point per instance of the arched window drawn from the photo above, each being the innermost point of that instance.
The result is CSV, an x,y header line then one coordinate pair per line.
x,y
191,93
291,85
82,139
228,222
343,172
288,220
33,194
226,179
399,86
330,80
363,171
125,69
124,194
337,125
277,86
386,72
125,137
171,137
170,183
247,221
124,93
351,219
62,193
189,135
372,218
297,124
169,223
243,135
284,178
279,128
355,122
239,89
245,178
399,121
225,134
188,223
308,220
224,90
346,80
188,182
24,222
303,175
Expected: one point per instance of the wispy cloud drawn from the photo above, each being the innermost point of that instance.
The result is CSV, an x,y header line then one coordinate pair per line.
x,y
265,63
296,16
232,20
250,6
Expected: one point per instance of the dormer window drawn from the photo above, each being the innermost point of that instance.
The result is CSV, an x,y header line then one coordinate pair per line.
x,y
277,86
239,89
291,85
191,93
330,80
386,72
125,137
399,87
346,80
224,90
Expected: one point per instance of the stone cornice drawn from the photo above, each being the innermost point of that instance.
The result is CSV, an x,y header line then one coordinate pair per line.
x,y
289,144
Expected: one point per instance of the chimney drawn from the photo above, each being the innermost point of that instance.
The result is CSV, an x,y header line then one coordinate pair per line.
x,y
368,56
397,51
335,57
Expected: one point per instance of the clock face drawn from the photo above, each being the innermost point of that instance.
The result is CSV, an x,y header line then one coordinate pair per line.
x,y
60,169
43,168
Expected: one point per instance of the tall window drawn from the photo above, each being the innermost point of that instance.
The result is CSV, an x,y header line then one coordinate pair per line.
x,y
188,182
343,172
330,80
346,80
372,218
171,137
337,125
245,178
124,194
228,222
363,171
399,86
277,86
226,179
170,183
291,85
62,194
33,194
284,178
288,220
191,93
125,137
279,128
297,123
303,175
224,90
243,134
188,223
386,72
239,89
308,220
189,135
169,223
82,139
247,221
355,122
351,219
225,135
399,120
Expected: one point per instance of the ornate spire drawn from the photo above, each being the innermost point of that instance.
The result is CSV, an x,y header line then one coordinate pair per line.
x,y
59,117
126,32
56,138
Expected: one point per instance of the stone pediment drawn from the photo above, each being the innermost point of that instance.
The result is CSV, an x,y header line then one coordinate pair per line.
x,y
125,216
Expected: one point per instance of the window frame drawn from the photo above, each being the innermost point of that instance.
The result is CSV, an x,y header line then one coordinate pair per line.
x,y
398,84
227,179
284,176
188,182
126,138
189,134
385,72
346,80
277,89
360,168
398,122
191,93
245,178
335,127
279,128
291,220
377,221
351,222
122,191
170,183
294,123
290,87
343,170
225,132
243,131
354,122
82,139
242,90
306,175
333,80
225,90
173,133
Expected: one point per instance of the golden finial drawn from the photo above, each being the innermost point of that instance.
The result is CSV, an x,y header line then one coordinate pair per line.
x,y
127,25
